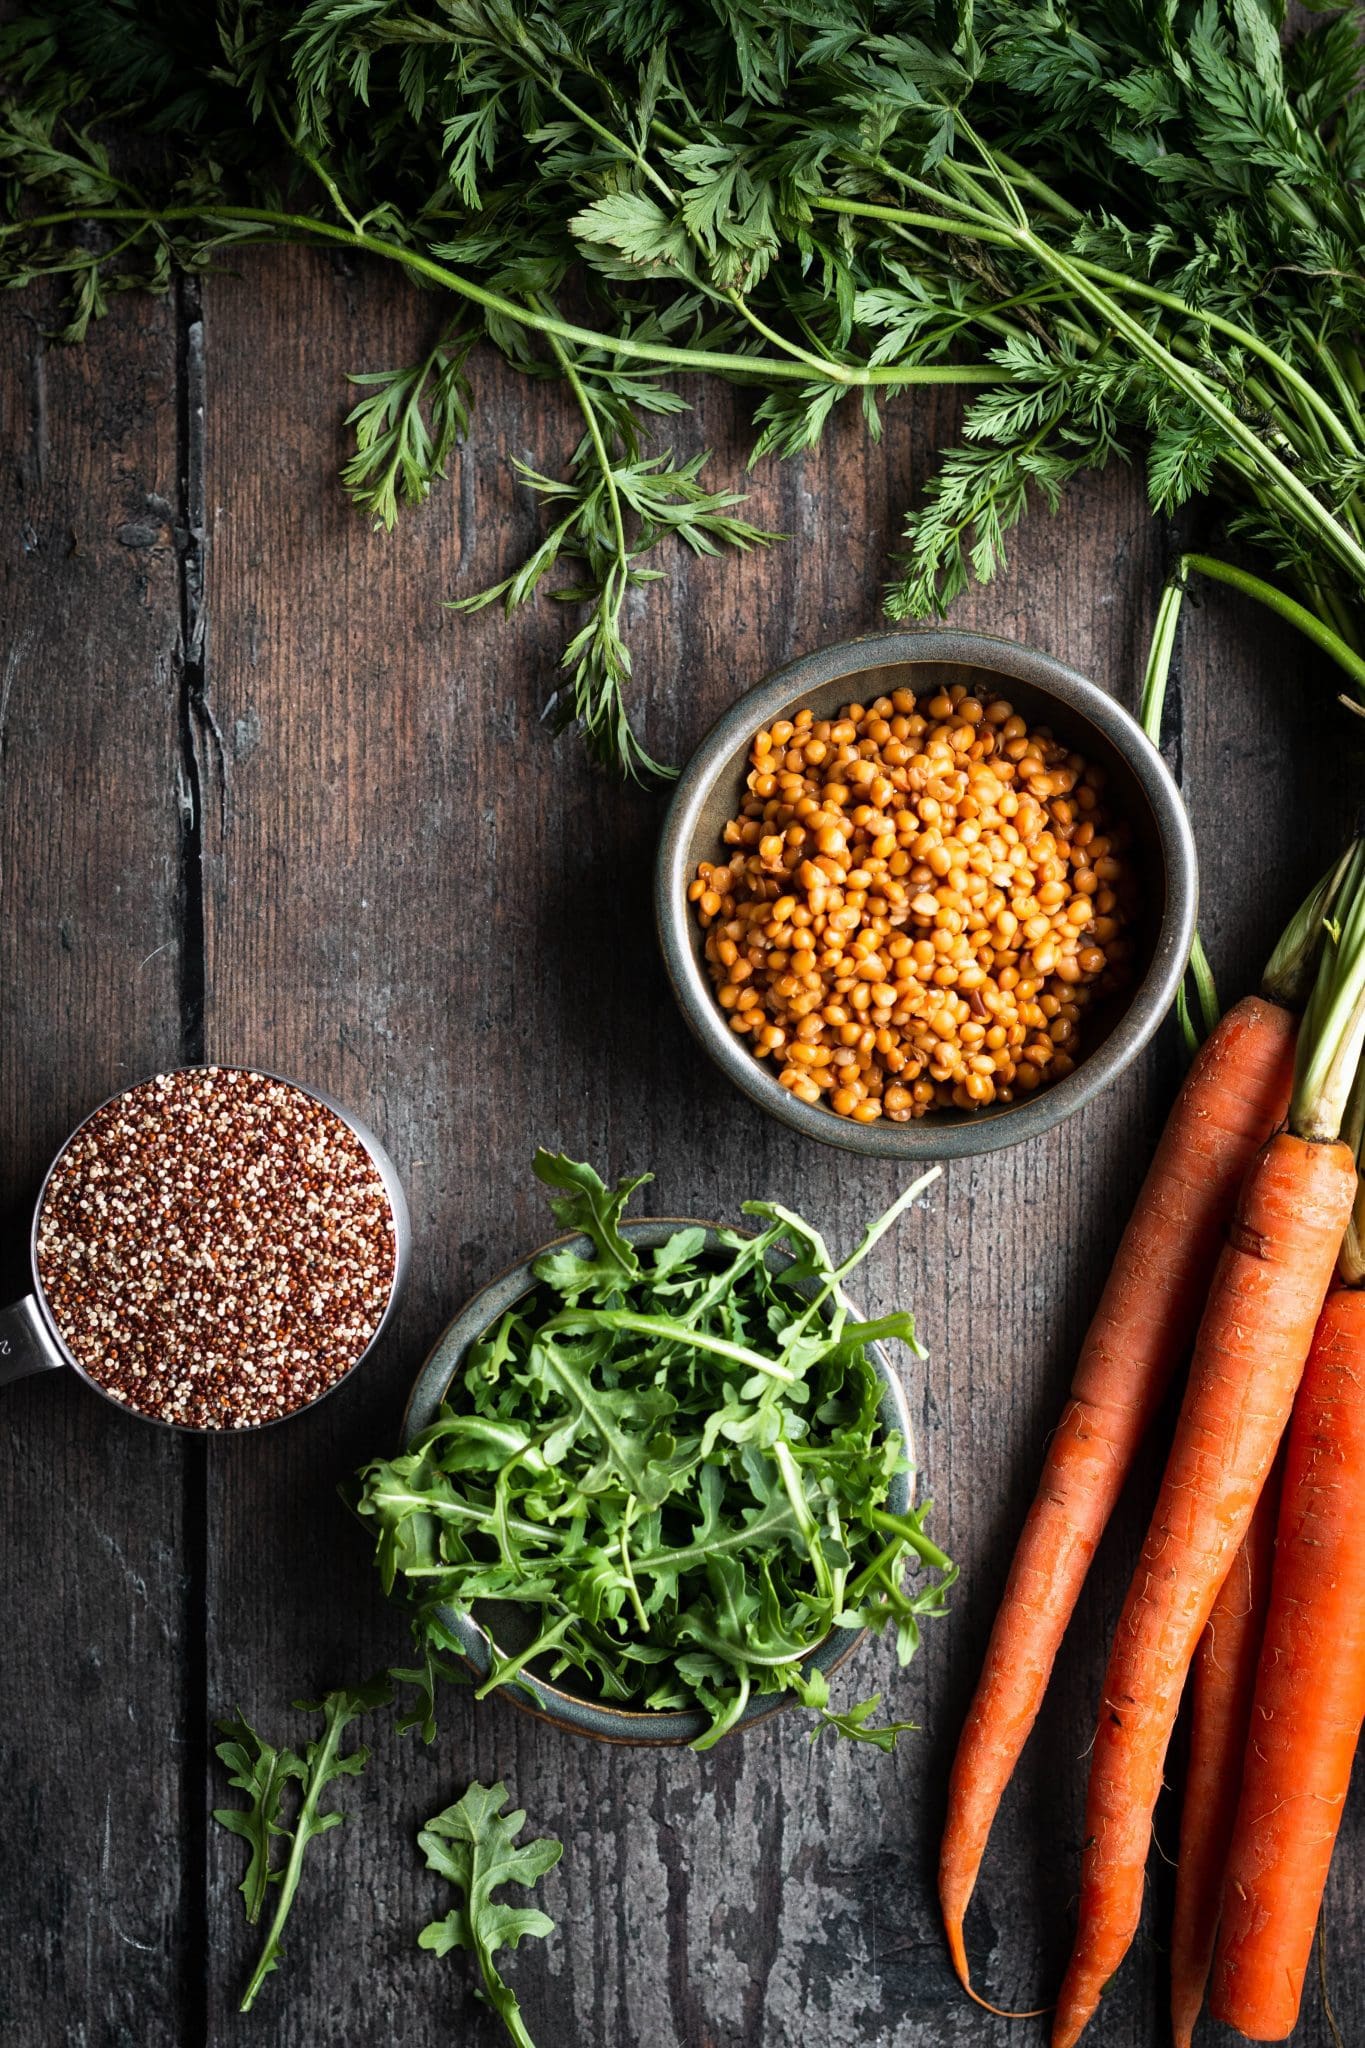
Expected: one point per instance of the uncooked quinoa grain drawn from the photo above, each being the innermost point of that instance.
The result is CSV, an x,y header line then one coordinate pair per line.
x,y
919,902
216,1248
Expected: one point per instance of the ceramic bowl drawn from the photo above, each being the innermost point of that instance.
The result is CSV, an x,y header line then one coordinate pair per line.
x,y
1140,790
476,1633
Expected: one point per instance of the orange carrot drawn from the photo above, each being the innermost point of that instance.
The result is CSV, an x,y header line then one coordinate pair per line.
x,y
1249,1356
1310,1693
1221,1686
1235,1094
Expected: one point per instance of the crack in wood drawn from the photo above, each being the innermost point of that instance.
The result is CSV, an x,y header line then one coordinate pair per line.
x,y
39,406
193,718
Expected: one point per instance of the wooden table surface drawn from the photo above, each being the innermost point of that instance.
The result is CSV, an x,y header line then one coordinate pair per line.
x,y
264,800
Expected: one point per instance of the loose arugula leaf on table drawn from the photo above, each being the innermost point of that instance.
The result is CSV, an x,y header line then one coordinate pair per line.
x,y
855,1723
1123,231
264,1774
474,1844
672,1464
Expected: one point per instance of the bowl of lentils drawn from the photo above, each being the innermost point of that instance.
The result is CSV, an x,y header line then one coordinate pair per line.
x,y
925,894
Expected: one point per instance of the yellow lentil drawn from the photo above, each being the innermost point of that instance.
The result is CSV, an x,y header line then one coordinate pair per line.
x,y
918,904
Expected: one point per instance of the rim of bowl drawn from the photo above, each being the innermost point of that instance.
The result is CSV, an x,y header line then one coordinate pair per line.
x,y
553,1703
402,1246
985,1131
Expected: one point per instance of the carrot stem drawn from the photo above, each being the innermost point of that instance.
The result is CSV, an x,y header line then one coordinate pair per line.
x,y
1160,653
1151,705
1333,1032
1289,972
1351,1261
1308,623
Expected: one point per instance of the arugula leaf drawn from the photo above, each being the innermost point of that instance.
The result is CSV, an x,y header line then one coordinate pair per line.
x,y
434,1670
474,1844
264,1772
584,1203
855,1724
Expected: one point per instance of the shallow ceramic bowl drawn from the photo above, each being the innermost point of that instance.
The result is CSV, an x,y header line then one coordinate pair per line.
x,y
1045,692
553,1703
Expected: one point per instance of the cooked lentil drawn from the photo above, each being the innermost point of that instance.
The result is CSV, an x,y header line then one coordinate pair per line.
x,y
921,901
216,1248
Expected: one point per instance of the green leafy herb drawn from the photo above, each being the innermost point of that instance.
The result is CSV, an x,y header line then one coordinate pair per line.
x,y
474,1845
436,1669
1127,231
672,1465
405,430
264,1773
856,1723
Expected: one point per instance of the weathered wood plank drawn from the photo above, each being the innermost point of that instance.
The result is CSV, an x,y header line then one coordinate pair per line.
x,y
96,1940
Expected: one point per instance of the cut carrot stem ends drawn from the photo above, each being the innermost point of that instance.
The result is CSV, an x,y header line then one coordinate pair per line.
x,y
1290,970
1235,1094
1221,1683
1351,1261
1310,1694
1333,1030
1250,1353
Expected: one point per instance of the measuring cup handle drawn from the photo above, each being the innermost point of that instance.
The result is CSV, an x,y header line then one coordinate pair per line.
x,y
25,1345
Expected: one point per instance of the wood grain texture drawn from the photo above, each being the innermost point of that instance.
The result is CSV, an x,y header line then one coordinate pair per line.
x,y
93,1675
415,897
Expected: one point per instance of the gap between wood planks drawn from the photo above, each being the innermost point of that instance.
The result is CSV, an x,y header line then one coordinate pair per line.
x,y
194,721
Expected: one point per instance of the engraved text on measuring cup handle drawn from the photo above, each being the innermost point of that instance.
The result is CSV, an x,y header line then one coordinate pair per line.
x,y
26,1344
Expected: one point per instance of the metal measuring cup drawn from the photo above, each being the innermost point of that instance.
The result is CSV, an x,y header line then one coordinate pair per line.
x,y
30,1341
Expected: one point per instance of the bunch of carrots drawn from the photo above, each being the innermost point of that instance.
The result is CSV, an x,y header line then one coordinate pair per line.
x,y
1244,1254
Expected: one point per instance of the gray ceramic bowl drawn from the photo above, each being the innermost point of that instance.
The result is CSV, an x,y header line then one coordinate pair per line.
x,y
1045,692
552,1703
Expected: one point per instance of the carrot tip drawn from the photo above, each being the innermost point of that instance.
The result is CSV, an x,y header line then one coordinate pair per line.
x,y
1035,2012
958,1952
952,1928
1001,2012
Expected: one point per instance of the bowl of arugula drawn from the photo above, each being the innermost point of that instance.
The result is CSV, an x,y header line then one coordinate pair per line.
x,y
657,1481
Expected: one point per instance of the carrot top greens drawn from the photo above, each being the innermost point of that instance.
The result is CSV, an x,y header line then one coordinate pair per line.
x,y
1119,227
674,1462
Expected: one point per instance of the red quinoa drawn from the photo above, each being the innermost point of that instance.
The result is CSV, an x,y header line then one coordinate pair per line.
x,y
216,1248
